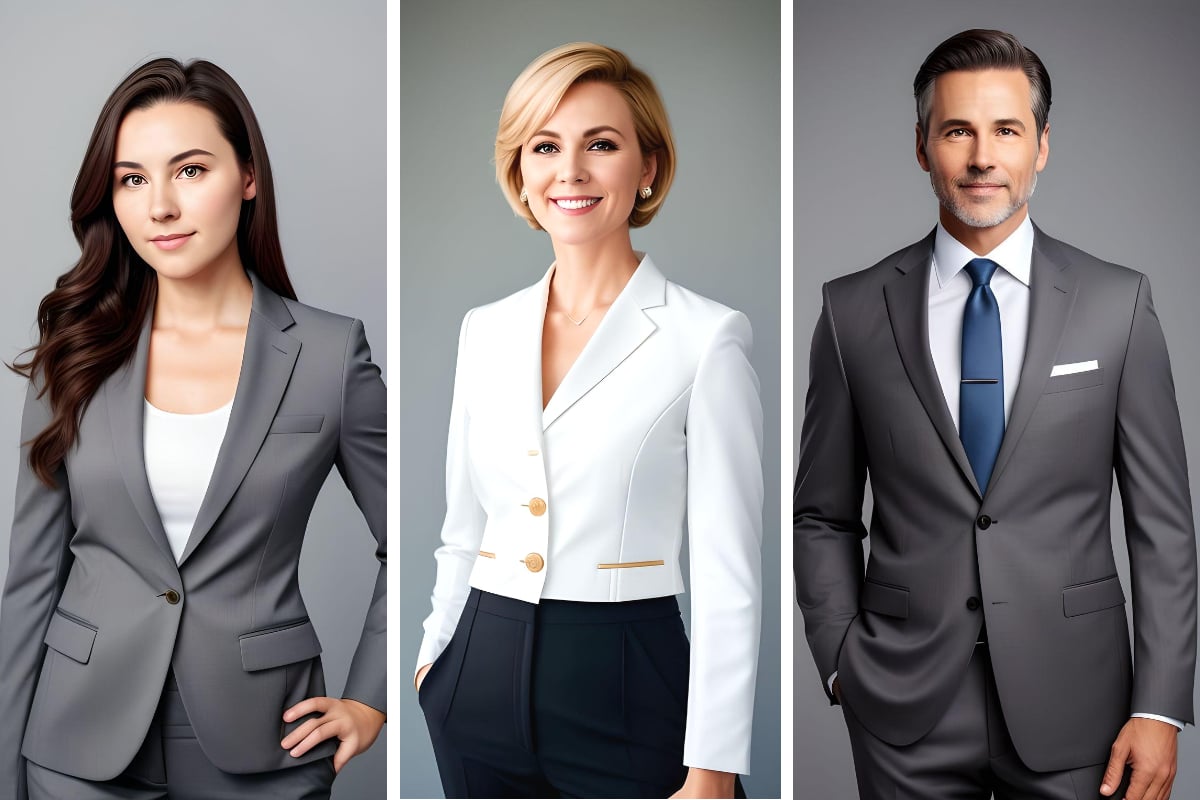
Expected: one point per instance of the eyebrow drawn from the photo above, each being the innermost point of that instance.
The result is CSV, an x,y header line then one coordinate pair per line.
x,y
1007,122
589,132
185,155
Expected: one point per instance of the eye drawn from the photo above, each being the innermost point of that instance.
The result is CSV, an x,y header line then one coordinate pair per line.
x,y
545,148
602,144
192,171
1006,132
957,133
133,180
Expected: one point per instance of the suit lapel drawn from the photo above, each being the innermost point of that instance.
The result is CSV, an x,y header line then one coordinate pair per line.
x,y
1052,291
125,396
270,354
621,332
908,311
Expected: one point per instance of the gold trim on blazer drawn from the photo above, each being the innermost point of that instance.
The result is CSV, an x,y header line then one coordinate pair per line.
x,y
486,554
631,564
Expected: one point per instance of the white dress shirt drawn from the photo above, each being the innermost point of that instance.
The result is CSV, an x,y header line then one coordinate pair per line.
x,y
949,285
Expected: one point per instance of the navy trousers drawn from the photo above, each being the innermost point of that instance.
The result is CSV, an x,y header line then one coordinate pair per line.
x,y
560,699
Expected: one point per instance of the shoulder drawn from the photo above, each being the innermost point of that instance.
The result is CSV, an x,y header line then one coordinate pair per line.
x,y
872,278
698,315
1092,271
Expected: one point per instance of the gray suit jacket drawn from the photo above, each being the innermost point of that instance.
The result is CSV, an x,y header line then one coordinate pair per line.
x,y
1033,555
91,574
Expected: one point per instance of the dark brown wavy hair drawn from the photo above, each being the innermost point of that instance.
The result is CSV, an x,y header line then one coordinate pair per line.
x,y
90,323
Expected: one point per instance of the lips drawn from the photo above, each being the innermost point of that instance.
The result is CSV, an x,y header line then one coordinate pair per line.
x,y
575,203
171,241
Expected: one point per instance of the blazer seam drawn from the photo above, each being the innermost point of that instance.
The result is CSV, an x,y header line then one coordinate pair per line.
x,y
266,548
837,346
346,354
1129,335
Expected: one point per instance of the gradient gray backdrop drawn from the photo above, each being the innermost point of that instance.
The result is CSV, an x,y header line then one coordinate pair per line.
x,y
717,66
1120,183
316,76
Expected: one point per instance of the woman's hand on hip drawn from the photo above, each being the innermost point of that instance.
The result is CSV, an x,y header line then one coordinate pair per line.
x,y
706,783
356,724
417,681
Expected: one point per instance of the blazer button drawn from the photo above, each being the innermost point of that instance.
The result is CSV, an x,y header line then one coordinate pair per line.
x,y
537,507
534,562
172,596
972,604
984,522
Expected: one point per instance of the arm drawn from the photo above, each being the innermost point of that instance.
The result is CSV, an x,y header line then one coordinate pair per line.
x,y
1151,470
827,505
725,496
38,563
361,460
462,530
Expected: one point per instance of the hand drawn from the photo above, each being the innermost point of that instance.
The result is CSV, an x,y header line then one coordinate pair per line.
x,y
706,783
1149,746
356,724
417,681
837,690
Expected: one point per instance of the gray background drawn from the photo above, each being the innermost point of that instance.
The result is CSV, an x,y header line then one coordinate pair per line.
x,y
1120,183
315,74
717,67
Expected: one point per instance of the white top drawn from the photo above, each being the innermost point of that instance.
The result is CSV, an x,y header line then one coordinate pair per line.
x,y
949,285
181,451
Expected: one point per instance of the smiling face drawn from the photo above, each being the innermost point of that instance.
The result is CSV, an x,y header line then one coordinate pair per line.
x,y
582,169
982,151
178,188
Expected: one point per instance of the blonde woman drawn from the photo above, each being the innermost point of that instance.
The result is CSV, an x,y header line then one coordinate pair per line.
x,y
592,411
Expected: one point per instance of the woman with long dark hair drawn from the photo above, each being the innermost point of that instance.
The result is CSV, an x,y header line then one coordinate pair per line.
x,y
183,411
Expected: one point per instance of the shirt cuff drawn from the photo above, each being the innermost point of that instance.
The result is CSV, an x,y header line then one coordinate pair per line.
x,y
833,678
1160,718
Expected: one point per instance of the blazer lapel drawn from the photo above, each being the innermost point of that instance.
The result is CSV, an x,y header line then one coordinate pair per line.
x,y
270,354
908,310
1052,294
125,396
622,331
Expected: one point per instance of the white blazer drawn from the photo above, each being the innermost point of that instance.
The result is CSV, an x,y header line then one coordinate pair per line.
x,y
658,417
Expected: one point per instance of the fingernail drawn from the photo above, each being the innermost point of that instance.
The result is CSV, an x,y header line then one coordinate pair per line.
x,y
1105,788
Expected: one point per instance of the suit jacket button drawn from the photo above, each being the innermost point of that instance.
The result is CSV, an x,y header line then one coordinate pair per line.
x,y
984,522
537,506
972,603
534,562
172,596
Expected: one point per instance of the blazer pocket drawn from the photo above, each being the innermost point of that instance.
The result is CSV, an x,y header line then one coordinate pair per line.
x,y
1084,598
279,645
884,599
1077,380
298,423
71,636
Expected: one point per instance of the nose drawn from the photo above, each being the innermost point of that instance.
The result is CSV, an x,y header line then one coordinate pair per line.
x,y
982,154
163,205
571,169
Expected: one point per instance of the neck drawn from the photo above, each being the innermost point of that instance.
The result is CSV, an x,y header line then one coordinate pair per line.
x,y
217,297
591,275
982,241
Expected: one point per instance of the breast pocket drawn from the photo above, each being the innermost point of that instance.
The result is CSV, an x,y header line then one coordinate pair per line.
x,y
298,423
1076,380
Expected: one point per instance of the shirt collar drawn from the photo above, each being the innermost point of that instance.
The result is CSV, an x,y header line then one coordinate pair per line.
x,y
1014,254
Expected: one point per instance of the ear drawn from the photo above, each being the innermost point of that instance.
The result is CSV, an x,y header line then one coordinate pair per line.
x,y
1043,149
649,169
249,189
922,158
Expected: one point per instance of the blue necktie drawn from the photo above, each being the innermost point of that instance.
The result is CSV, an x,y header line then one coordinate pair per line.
x,y
981,395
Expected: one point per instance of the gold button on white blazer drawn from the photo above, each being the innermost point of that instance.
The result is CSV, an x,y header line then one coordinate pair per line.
x,y
658,418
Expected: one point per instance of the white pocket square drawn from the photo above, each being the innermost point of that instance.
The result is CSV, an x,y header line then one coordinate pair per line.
x,y
1071,369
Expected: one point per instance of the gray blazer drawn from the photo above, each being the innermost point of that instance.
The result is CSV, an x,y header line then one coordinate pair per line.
x,y
1032,556
91,574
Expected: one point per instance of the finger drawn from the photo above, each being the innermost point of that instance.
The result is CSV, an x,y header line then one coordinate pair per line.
x,y
309,706
1138,784
1116,767
346,751
327,730
297,736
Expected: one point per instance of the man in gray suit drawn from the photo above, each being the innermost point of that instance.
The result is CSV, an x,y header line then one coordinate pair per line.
x,y
990,380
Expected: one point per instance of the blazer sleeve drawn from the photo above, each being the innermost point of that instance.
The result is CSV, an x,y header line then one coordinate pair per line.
x,y
827,505
362,462
38,563
725,496
1151,471
462,530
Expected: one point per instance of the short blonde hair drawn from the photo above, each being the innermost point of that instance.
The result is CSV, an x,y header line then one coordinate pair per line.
x,y
536,93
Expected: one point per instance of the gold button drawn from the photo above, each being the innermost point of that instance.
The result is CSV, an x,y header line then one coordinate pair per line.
x,y
537,507
172,596
533,452
534,562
